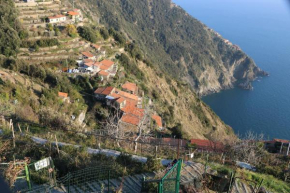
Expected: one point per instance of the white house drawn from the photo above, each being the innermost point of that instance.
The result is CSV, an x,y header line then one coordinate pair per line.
x,y
75,15
57,19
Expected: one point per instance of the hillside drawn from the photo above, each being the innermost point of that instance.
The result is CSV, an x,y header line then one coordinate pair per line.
x,y
43,53
84,95
177,43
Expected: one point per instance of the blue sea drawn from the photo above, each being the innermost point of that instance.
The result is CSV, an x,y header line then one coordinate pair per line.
x,y
262,29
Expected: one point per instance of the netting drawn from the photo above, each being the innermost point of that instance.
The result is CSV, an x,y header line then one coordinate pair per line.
x,y
89,179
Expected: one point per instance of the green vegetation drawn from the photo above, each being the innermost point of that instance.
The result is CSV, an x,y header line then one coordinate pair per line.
x,y
71,30
104,32
134,51
9,29
269,181
88,33
40,43
131,67
117,36
197,109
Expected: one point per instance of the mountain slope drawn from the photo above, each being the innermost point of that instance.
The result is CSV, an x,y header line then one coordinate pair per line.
x,y
180,108
177,43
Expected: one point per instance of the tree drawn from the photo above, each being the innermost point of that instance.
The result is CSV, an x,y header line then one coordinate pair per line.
x,y
250,149
57,31
119,38
71,30
9,28
104,33
23,34
177,131
88,33
50,27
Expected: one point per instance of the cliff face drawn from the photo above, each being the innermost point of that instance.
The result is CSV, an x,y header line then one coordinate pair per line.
x,y
177,43
178,104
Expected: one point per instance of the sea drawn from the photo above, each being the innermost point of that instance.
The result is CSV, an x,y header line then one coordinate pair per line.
x,y
262,29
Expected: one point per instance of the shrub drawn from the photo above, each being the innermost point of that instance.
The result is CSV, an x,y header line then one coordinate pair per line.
x,y
105,34
88,33
152,164
177,131
71,30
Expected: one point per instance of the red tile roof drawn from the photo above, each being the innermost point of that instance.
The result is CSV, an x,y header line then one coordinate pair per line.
x,y
88,54
104,91
103,73
89,63
209,145
157,119
130,109
130,86
95,46
281,140
56,16
108,63
131,119
62,94
103,67
126,95
120,100
88,60
72,13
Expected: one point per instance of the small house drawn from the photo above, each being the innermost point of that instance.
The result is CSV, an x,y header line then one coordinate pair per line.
x,y
130,123
107,65
57,19
158,121
280,146
103,92
88,55
130,87
120,103
96,47
74,16
92,66
104,75
64,96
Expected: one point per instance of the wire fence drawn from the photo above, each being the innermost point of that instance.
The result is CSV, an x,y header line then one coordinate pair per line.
x,y
89,179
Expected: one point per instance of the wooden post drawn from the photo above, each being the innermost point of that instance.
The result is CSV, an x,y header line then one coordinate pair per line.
x,y
27,129
19,127
136,147
13,135
56,144
287,153
10,124
281,147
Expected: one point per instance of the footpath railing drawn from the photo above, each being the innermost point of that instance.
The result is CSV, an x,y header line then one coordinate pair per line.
x,y
169,183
